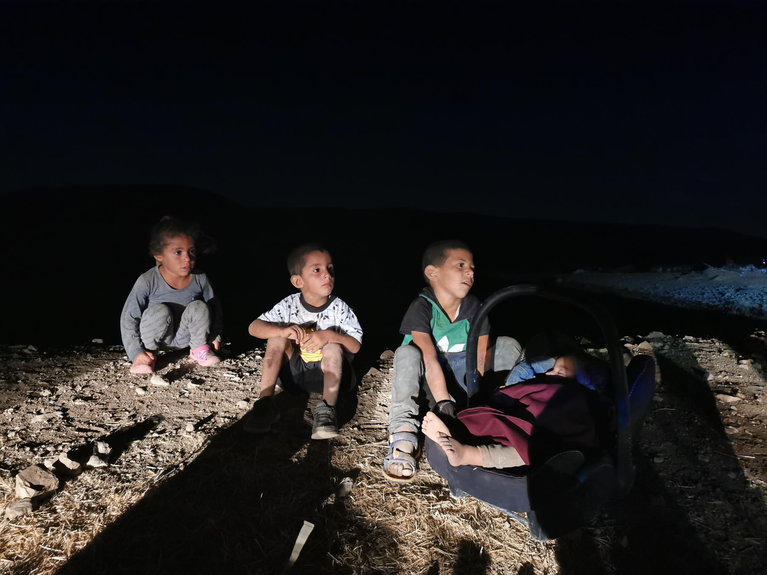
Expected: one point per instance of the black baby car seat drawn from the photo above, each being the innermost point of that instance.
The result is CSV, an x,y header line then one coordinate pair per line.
x,y
565,491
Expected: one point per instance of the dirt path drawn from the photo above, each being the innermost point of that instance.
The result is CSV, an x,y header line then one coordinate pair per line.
x,y
188,491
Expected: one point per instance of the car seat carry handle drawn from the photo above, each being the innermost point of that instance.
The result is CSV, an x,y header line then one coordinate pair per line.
x,y
624,467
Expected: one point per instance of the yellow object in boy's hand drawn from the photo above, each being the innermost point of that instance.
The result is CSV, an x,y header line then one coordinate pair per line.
x,y
310,357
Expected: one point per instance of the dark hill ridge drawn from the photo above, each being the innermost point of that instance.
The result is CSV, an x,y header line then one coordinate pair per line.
x,y
72,254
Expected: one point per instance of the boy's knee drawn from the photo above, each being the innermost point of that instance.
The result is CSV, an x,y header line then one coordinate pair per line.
x,y
507,352
332,358
407,354
277,344
275,349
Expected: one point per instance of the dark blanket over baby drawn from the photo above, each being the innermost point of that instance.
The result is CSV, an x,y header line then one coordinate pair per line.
x,y
539,418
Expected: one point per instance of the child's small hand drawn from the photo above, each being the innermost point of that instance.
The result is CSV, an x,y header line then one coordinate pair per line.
x,y
216,344
144,358
294,332
315,341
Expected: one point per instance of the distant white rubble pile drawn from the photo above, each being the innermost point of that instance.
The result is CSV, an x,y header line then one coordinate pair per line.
x,y
739,291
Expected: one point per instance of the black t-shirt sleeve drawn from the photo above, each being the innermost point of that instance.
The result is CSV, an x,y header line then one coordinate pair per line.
x,y
417,317
471,308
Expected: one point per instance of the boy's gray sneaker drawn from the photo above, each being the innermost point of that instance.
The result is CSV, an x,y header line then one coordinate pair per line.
x,y
262,416
324,426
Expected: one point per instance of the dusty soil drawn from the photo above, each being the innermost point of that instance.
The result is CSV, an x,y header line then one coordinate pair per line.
x,y
187,490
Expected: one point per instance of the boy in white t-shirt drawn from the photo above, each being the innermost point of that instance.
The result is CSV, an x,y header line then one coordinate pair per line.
x,y
311,338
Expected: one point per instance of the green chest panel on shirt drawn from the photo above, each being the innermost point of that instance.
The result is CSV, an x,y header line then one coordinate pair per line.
x,y
449,337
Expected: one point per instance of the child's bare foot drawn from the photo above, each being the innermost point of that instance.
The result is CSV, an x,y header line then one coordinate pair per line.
x,y
457,453
433,426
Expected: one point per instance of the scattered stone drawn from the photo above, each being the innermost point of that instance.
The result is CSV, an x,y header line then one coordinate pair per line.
x,y
710,377
97,340
658,459
159,381
140,391
746,362
727,398
193,385
688,338
645,346
190,427
242,404
655,335
345,487
66,466
387,355
373,372
102,448
44,417
95,462
18,508
657,398
34,481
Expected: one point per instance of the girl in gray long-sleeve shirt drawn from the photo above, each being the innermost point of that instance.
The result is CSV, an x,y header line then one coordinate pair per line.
x,y
171,306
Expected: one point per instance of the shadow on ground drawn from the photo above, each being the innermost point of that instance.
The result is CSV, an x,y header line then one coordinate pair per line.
x,y
237,508
691,509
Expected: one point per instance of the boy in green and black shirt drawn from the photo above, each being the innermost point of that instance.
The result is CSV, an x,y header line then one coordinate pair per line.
x,y
432,359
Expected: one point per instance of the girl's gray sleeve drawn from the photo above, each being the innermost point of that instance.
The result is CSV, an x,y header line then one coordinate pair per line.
x,y
137,302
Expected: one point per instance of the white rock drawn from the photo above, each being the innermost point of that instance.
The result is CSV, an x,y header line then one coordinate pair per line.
x,y
97,340
190,427
655,335
159,381
18,508
140,391
345,487
193,385
645,346
102,448
727,398
44,417
35,481
68,467
94,462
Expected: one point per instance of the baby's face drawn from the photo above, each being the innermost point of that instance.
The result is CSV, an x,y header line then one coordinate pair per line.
x,y
563,367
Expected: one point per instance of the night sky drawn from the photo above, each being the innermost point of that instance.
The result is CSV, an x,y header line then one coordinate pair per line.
x,y
619,111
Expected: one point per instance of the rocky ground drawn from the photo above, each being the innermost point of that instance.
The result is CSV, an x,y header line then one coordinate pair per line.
x,y
177,486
